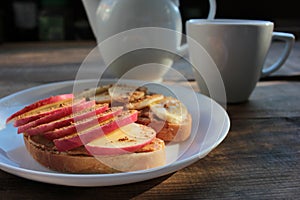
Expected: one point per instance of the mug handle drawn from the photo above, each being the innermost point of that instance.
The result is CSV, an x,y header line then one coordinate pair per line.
x,y
183,49
289,40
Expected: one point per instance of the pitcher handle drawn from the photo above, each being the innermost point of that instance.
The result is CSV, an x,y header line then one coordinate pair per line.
x,y
212,9
183,49
289,40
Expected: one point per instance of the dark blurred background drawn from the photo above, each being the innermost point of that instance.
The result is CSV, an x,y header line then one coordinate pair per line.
x,y
52,20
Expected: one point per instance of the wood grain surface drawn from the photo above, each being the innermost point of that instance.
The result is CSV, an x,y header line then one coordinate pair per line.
x,y
259,159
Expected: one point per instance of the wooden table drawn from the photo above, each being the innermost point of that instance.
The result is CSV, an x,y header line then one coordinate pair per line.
x,y
259,159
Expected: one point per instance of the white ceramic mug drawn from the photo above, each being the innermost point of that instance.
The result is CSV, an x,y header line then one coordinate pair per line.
x,y
239,49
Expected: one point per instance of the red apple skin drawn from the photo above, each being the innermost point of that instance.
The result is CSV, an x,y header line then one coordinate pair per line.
x,y
67,121
75,128
55,115
40,103
77,140
21,120
26,120
118,143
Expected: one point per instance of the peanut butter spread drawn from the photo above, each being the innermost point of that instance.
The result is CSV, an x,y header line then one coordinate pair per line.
x,y
47,145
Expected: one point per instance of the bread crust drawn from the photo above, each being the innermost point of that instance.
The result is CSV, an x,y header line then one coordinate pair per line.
x,y
79,161
169,132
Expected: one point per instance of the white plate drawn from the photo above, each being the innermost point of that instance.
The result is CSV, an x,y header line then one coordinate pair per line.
x,y
210,126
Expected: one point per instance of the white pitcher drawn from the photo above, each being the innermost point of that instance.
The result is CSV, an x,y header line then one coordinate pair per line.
x,y
111,17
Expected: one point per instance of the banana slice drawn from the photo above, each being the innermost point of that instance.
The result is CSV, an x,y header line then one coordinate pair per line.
x,y
136,95
126,93
170,109
121,93
91,92
102,98
120,90
145,102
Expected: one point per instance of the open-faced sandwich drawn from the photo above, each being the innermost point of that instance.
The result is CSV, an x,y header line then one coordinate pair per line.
x,y
102,130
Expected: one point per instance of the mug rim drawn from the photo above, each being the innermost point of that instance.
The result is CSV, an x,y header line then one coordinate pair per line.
x,y
228,22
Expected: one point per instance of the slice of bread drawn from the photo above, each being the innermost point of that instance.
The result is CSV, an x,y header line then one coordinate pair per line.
x,y
80,161
167,131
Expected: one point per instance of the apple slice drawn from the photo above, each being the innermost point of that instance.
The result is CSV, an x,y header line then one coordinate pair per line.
x,y
88,135
38,104
57,114
68,120
126,139
82,125
42,111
